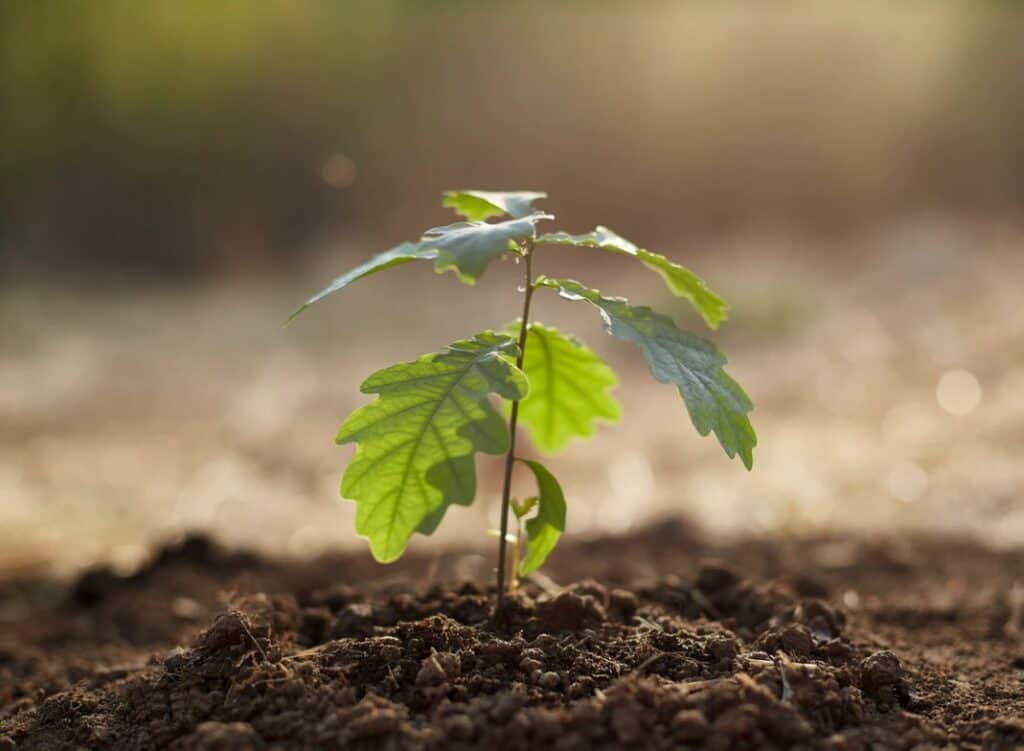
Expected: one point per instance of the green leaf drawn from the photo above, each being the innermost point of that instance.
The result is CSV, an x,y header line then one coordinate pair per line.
x,y
479,205
680,280
465,247
569,387
468,247
449,474
547,526
398,255
521,509
416,441
715,401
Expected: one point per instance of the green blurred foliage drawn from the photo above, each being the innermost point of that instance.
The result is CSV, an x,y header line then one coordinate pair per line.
x,y
178,128
187,134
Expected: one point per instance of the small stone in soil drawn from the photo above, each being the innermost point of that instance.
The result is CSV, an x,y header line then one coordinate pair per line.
x,y
883,679
690,725
793,639
438,668
623,603
714,576
549,680
226,736
569,611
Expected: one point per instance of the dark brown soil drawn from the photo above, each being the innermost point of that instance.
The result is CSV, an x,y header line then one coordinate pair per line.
x,y
663,641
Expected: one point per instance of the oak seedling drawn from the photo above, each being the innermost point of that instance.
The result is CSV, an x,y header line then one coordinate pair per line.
x,y
417,441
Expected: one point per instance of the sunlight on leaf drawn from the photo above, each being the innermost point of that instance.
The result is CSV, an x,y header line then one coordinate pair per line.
x,y
464,247
569,388
544,529
417,439
469,247
680,280
403,253
480,205
715,401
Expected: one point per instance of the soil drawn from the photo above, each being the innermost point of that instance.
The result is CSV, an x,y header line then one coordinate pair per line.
x,y
660,639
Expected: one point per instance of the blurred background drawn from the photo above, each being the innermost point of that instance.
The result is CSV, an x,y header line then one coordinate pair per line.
x,y
177,175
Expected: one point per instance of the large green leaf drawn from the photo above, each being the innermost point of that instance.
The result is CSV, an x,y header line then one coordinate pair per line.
x,y
417,439
679,279
403,253
480,205
544,529
569,387
715,401
468,247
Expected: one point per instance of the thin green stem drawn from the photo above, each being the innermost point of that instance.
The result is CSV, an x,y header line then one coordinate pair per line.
x,y
510,458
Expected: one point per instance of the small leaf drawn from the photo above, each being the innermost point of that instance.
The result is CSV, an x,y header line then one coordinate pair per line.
x,y
680,280
715,401
400,254
468,247
569,388
525,507
417,439
547,526
480,205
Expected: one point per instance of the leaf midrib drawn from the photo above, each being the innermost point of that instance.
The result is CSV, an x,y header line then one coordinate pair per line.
x,y
419,439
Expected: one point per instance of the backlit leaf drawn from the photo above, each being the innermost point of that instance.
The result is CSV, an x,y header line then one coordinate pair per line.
x,y
544,529
679,279
464,247
416,441
403,253
569,388
468,247
715,401
480,205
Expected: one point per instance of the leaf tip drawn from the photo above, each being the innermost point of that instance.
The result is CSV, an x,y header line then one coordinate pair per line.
x,y
719,316
295,314
383,556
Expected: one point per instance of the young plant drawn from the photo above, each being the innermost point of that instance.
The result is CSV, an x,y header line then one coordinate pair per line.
x,y
416,442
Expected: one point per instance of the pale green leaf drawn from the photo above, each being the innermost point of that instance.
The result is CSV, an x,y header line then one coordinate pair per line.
x,y
468,247
403,253
522,508
680,280
480,205
417,439
569,388
544,529
715,401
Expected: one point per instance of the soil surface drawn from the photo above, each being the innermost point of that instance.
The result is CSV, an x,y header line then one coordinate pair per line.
x,y
659,639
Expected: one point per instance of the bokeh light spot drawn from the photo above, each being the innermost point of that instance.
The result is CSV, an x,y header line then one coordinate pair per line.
x,y
907,482
338,171
958,392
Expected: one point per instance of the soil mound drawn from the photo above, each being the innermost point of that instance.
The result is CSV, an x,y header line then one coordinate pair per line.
x,y
813,644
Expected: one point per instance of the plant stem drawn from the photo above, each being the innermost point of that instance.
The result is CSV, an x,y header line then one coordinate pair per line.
x,y
516,551
510,458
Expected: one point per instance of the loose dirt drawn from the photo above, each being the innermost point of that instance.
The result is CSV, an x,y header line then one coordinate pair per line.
x,y
658,640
